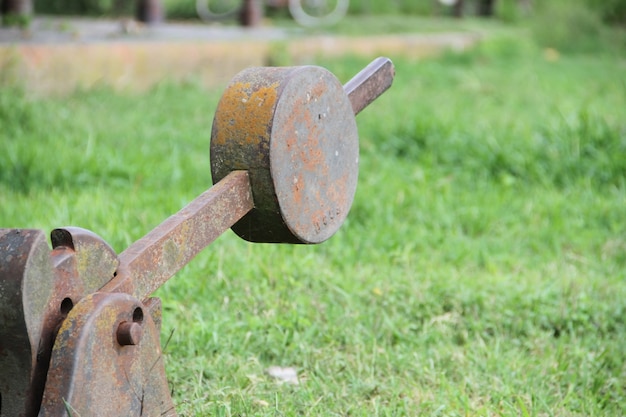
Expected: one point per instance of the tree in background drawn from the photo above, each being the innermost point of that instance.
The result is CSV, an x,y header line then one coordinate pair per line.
x,y
486,7
612,11
16,12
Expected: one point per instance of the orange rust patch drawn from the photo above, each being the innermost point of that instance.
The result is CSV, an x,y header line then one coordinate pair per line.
x,y
245,113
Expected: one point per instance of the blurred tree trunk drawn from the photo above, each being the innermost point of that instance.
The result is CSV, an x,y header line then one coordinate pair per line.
x,y
251,13
150,11
457,9
486,8
16,7
16,12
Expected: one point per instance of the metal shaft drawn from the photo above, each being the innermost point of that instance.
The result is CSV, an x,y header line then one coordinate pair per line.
x,y
370,83
152,260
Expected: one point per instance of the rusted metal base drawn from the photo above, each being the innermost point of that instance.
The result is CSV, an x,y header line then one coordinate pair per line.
x,y
107,358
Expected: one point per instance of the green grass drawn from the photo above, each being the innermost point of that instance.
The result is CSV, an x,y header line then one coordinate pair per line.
x,y
481,270
393,24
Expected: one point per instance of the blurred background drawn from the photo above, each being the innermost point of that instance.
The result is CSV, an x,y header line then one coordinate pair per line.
x,y
276,32
482,267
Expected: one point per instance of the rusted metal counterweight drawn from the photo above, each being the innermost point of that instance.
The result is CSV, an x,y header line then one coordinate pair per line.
x,y
79,334
302,152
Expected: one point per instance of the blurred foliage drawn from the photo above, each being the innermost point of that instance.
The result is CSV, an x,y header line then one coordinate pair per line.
x,y
569,13
566,26
610,11
15,19
84,7
579,25
419,7
510,10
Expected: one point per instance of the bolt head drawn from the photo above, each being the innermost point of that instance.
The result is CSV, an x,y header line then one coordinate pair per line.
x,y
129,333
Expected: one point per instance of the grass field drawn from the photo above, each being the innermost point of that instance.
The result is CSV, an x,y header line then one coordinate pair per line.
x,y
481,270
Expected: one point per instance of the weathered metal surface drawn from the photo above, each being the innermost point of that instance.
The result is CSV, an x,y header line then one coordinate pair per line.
x,y
370,83
26,289
314,154
153,305
92,373
293,129
152,260
81,253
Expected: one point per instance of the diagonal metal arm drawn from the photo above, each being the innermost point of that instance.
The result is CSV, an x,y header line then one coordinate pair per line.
x,y
152,260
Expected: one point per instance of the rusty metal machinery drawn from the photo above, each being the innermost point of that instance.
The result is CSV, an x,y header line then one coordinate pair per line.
x,y
79,332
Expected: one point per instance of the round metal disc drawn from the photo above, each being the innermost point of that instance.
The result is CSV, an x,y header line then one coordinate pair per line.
x,y
294,130
314,154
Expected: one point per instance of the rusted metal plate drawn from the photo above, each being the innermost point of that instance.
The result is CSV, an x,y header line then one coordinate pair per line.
x,y
293,129
95,261
26,289
107,361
